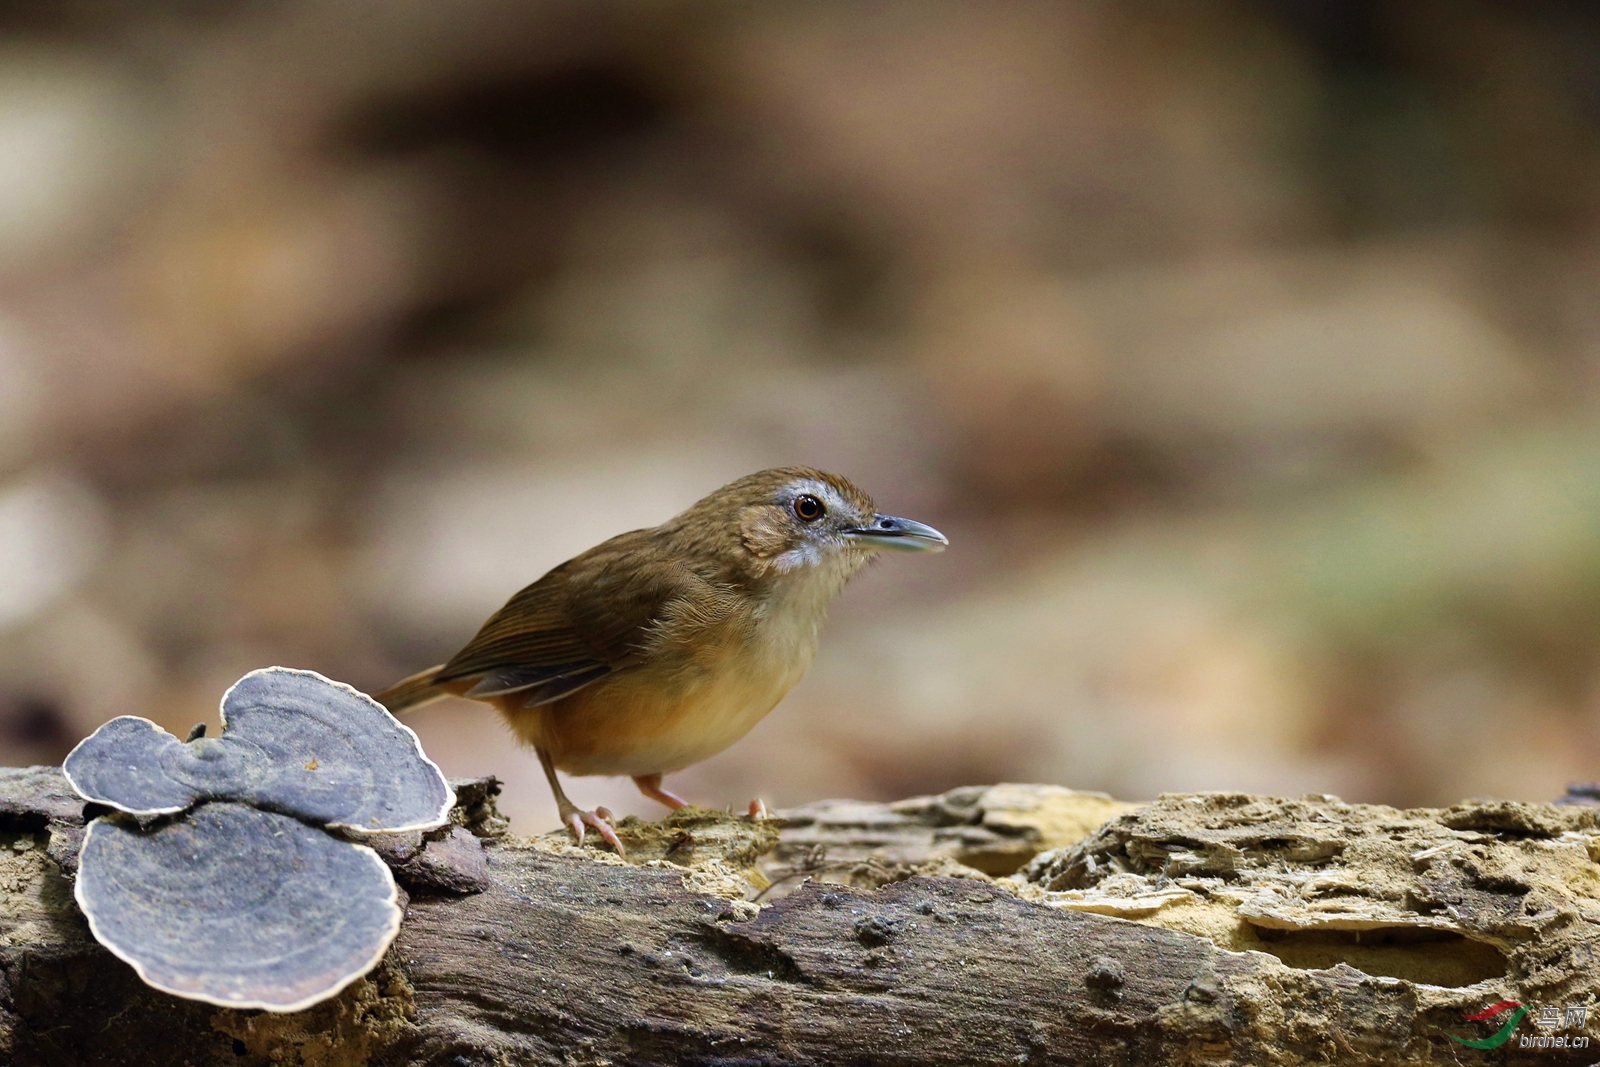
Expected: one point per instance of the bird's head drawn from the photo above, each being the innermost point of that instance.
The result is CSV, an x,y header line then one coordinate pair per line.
x,y
791,521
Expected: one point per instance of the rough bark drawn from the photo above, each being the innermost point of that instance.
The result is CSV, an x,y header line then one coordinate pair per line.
x,y
1206,929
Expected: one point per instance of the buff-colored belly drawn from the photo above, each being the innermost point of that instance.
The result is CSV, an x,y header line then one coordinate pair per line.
x,y
634,723
698,692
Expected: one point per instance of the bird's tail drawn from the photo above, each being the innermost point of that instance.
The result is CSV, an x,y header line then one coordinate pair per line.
x,y
412,692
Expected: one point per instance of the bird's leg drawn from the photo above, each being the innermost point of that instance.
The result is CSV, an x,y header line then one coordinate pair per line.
x,y
650,786
574,817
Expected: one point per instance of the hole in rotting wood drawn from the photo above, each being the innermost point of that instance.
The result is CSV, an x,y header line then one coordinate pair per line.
x,y
742,954
1415,954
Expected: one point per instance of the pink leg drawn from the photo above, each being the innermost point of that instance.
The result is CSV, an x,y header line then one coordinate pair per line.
x,y
650,786
574,817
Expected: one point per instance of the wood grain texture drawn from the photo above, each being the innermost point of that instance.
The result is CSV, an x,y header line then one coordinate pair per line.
x,y
926,970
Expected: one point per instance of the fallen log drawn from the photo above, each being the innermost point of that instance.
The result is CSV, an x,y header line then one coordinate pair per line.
x,y
1009,924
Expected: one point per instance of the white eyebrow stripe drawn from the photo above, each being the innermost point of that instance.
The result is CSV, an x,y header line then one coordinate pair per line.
x,y
827,493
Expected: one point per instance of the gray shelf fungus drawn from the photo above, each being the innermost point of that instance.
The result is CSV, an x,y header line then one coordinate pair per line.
x,y
292,742
228,886
237,906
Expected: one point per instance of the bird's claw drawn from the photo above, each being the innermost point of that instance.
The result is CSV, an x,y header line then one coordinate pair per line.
x,y
600,820
758,809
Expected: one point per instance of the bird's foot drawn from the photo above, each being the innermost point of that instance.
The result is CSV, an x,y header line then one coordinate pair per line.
x,y
758,809
600,819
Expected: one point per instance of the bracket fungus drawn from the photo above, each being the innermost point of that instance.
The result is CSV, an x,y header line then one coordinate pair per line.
x,y
229,884
238,906
292,742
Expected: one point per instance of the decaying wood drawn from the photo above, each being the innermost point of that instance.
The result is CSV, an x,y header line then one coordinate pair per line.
x,y
1209,929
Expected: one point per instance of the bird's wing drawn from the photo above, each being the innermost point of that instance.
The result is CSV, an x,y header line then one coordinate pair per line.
x,y
580,622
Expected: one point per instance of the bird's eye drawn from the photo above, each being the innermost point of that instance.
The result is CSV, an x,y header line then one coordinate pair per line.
x,y
808,507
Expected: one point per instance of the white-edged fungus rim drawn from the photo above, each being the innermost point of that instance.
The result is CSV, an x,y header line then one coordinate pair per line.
x,y
392,902
416,742
78,789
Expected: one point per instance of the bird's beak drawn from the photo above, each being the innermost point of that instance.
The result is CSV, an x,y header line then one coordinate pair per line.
x,y
907,535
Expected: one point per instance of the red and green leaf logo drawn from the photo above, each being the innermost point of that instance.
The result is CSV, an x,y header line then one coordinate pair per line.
x,y
1500,1036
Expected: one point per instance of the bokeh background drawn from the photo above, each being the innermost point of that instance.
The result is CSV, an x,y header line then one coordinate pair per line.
x,y
1249,352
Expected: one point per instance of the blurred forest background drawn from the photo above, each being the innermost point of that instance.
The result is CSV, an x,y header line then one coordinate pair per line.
x,y
1249,353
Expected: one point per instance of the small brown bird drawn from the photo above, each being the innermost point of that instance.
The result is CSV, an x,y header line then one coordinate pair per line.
x,y
661,647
